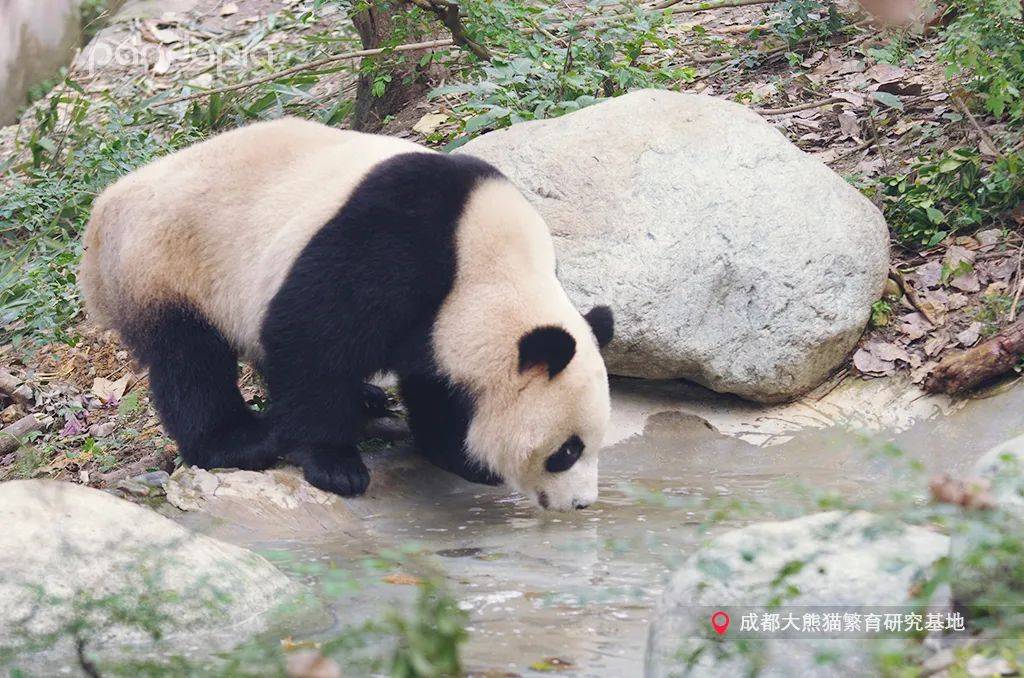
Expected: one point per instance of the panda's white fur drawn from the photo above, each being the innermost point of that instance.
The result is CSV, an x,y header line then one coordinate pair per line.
x,y
220,225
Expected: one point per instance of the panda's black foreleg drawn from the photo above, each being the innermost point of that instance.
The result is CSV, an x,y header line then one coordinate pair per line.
x,y
439,415
318,414
193,377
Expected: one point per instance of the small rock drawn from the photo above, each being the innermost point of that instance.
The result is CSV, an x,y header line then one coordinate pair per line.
x,y
985,667
102,430
134,487
11,414
153,479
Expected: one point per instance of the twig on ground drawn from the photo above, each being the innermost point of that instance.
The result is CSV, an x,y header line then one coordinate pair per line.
x,y
800,107
706,6
911,294
857,149
11,436
1020,284
13,387
312,65
160,459
985,138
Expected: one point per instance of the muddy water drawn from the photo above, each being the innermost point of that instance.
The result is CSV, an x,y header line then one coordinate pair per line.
x,y
581,587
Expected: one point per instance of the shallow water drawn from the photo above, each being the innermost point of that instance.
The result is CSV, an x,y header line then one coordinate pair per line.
x,y
582,586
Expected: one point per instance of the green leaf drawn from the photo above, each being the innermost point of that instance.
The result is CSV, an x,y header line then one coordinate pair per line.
x,y
889,100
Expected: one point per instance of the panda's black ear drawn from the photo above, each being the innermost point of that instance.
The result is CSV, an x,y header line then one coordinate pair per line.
x,y
549,346
602,322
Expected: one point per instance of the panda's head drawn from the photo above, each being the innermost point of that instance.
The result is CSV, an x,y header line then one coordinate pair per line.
x,y
542,433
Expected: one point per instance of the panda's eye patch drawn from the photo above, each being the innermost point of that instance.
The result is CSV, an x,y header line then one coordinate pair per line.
x,y
566,456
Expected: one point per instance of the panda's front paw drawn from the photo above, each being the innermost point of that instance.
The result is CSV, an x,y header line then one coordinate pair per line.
x,y
340,473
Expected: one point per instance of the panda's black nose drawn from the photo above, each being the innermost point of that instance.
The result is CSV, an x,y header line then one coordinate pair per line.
x,y
579,505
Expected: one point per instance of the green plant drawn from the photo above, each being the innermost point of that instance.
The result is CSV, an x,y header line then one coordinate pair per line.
x,y
46,206
984,46
881,312
949,192
534,76
429,640
797,20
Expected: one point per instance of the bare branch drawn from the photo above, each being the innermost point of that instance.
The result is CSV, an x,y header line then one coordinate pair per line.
x,y
326,61
449,14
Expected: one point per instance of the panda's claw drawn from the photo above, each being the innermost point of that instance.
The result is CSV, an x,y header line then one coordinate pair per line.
x,y
342,474
375,401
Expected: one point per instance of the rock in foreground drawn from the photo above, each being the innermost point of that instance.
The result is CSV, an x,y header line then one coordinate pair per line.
x,y
79,561
817,563
729,256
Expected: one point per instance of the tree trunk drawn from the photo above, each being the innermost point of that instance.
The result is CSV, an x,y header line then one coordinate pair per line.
x,y
376,26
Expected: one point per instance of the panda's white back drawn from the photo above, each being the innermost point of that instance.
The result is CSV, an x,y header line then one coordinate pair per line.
x,y
220,224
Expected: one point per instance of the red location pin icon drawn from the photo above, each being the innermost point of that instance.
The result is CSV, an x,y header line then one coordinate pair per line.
x,y
720,622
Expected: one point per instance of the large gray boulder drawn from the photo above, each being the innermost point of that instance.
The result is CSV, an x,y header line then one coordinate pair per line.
x,y
729,256
78,562
821,563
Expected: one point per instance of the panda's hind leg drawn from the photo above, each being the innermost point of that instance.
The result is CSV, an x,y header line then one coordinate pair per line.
x,y
193,376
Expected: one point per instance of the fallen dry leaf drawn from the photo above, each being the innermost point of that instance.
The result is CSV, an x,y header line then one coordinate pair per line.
x,y
849,125
932,307
967,282
914,325
110,391
956,301
970,336
969,492
927,275
884,73
163,62
311,664
934,344
402,579
989,236
996,289
429,123
152,32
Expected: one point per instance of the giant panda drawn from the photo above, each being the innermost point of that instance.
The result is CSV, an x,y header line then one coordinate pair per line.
x,y
324,256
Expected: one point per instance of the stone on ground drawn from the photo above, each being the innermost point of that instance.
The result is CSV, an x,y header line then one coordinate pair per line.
x,y
729,256
850,560
274,504
1004,466
73,557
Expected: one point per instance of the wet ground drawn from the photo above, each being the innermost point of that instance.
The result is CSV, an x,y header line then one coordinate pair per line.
x,y
582,587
